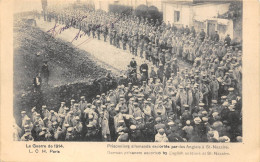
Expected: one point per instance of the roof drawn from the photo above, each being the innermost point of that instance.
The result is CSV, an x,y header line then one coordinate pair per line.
x,y
193,3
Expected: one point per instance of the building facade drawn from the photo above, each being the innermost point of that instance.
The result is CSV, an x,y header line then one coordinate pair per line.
x,y
201,15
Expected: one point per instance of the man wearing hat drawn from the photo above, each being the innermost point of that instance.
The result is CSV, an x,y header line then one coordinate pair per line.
x,y
214,87
45,112
82,104
27,136
78,127
53,116
161,136
188,128
133,64
37,83
136,134
45,72
231,95
62,108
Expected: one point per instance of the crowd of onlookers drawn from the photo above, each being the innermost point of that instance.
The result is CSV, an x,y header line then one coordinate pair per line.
x,y
202,103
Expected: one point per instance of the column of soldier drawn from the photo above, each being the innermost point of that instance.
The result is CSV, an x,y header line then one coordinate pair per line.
x,y
199,104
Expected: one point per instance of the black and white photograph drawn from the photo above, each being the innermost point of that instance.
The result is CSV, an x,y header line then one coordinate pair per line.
x,y
128,71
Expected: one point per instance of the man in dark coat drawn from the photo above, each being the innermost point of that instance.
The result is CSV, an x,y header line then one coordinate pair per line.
x,y
45,72
133,64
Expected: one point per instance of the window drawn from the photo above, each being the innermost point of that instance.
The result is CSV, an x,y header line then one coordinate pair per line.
x,y
176,16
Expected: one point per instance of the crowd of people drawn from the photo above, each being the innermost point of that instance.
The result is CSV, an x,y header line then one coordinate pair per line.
x,y
202,103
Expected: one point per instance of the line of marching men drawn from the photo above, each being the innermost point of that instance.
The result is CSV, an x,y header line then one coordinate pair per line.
x,y
158,43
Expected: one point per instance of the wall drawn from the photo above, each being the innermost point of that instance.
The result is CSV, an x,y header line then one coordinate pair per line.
x,y
185,14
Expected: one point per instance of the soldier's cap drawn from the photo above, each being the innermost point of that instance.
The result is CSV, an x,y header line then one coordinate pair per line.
x,y
158,119
149,99
72,100
41,133
38,115
66,108
150,42
62,102
223,97
54,123
89,104
138,118
117,108
197,120
197,71
174,59
205,119
70,129
130,94
34,108
186,105
66,125
23,112
171,123
135,103
161,130
98,101
77,118
90,116
112,105
121,99
62,116
230,89
201,104
103,94
204,112
233,102
133,127
136,91
82,97
52,111
103,106
26,126
231,107
44,128
214,101
188,122
98,96
121,121
45,118
181,87
44,106
160,64
215,114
